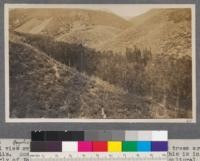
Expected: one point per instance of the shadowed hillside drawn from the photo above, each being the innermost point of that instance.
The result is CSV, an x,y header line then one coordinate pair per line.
x,y
43,87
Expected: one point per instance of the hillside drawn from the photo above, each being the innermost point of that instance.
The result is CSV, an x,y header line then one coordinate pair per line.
x,y
161,30
91,36
42,87
76,63
55,22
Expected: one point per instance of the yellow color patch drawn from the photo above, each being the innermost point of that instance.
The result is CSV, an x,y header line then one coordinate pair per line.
x,y
114,146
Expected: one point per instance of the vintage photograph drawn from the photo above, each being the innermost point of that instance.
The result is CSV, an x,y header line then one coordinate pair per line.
x,y
100,62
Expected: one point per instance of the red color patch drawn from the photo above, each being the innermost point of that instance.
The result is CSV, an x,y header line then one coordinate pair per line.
x,y
100,146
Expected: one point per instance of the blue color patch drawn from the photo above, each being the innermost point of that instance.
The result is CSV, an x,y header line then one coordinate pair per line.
x,y
144,146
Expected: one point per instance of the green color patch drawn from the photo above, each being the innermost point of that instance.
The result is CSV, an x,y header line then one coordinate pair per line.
x,y
129,146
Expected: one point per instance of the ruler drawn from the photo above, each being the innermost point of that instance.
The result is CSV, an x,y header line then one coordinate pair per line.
x,y
87,156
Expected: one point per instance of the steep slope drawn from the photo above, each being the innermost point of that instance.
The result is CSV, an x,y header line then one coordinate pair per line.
x,y
91,36
43,87
162,30
55,22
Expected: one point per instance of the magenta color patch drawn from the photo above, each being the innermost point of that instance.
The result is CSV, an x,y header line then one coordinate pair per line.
x,y
84,146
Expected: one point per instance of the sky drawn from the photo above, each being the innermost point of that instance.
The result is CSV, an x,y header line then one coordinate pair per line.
x,y
124,10
128,11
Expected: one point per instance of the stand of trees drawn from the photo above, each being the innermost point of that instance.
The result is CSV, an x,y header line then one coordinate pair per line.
x,y
163,78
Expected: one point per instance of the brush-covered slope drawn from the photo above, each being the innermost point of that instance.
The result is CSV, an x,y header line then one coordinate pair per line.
x,y
162,30
90,36
42,87
55,22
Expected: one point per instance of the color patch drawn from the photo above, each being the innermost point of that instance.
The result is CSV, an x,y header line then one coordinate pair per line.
x,y
104,135
91,135
46,146
117,135
114,146
70,146
54,146
72,136
159,136
38,146
37,136
129,146
84,146
131,135
53,135
100,146
159,146
143,146
144,135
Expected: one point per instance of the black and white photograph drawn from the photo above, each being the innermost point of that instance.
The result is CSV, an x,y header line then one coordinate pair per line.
x,y
100,62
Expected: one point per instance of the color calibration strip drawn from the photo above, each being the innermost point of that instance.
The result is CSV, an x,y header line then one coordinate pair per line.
x,y
99,146
106,141
99,135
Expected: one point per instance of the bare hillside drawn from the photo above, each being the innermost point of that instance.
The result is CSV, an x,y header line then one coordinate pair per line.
x,y
61,21
90,36
161,30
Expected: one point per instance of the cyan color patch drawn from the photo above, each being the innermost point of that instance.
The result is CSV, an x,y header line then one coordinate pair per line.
x,y
143,146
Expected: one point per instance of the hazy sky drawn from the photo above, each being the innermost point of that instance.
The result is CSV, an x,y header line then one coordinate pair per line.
x,y
128,11
123,10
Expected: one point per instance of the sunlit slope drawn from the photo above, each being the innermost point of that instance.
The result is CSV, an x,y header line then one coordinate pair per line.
x,y
161,30
60,21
